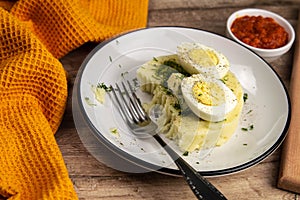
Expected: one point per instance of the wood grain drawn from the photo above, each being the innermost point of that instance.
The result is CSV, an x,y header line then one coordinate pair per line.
x,y
289,177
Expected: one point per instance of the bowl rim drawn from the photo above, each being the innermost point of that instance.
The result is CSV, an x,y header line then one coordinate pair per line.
x,y
275,16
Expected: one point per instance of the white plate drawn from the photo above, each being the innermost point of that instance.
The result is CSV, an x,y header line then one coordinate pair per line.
x,y
268,101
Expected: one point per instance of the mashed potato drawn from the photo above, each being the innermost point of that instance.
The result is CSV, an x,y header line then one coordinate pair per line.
x,y
162,78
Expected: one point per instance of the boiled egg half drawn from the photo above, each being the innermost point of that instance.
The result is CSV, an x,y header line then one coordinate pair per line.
x,y
209,98
197,58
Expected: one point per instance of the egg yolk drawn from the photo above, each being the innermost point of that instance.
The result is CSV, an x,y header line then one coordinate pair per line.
x,y
208,93
203,57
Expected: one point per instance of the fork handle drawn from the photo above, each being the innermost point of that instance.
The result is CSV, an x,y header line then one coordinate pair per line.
x,y
199,185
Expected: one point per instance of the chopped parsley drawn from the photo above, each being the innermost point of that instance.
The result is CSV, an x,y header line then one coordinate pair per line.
x,y
245,97
225,78
165,72
177,106
123,74
114,131
89,102
103,86
249,128
169,92
135,82
250,111
185,153
176,66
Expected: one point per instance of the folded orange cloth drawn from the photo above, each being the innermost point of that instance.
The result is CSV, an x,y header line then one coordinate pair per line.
x,y
33,85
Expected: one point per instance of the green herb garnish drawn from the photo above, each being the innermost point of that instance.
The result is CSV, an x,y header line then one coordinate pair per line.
x,y
164,72
177,106
175,65
245,97
89,102
124,73
135,82
103,86
114,131
249,128
249,111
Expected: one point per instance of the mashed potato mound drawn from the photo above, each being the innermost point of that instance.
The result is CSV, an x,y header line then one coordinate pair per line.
x,y
161,77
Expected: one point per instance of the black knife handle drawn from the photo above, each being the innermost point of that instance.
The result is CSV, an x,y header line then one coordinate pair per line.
x,y
199,185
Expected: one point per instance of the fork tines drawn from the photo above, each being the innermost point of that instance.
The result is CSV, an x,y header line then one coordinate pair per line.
x,y
129,104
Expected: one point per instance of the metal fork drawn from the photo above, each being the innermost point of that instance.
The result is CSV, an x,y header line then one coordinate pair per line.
x,y
139,122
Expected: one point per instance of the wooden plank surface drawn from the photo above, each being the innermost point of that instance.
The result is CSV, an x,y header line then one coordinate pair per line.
x,y
289,175
93,180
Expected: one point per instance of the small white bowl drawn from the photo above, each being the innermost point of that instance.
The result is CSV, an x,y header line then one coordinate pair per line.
x,y
268,54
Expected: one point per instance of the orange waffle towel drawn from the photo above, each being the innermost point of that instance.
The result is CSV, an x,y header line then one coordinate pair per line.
x,y
33,86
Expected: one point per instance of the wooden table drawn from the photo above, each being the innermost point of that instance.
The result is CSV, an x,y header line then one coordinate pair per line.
x,y
94,180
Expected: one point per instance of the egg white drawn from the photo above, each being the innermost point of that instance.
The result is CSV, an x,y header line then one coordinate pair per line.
x,y
197,58
213,113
